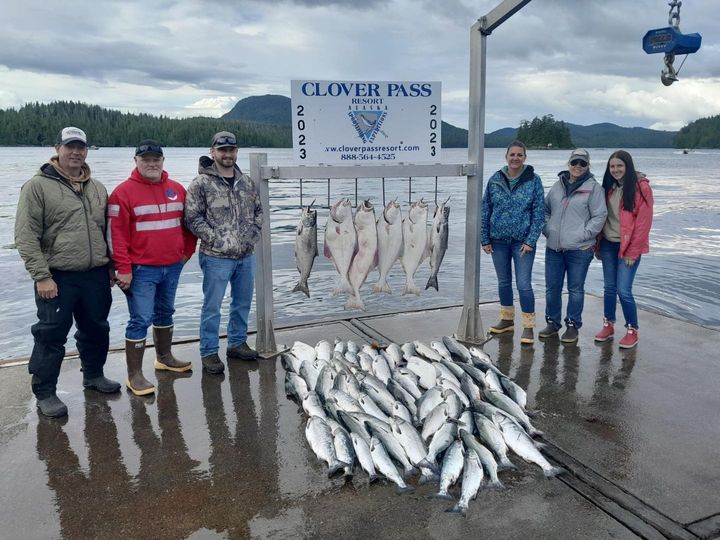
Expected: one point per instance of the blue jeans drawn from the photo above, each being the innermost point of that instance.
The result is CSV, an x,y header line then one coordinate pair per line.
x,y
151,297
618,279
217,273
575,264
505,254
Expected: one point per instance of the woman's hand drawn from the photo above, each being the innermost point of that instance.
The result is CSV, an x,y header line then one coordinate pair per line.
x,y
525,249
628,261
487,248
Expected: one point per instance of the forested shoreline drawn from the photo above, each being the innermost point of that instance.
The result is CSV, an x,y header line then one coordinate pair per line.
x,y
38,124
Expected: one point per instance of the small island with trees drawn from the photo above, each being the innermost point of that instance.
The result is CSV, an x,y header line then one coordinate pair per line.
x,y
545,132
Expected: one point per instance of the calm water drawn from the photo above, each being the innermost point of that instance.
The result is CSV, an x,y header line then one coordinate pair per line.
x,y
679,276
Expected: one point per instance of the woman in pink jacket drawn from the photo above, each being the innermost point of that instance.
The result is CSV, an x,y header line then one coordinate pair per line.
x,y
623,240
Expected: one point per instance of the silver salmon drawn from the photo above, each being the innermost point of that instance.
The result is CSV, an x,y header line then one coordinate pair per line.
x,y
438,243
306,247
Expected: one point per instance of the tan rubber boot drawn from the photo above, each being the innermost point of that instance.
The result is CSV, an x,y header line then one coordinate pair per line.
x,y
528,322
507,321
136,382
164,359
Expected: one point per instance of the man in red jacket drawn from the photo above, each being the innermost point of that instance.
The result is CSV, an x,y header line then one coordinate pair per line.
x,y
149,245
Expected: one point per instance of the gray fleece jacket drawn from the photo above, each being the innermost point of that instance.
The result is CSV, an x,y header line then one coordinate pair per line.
x,y
574,213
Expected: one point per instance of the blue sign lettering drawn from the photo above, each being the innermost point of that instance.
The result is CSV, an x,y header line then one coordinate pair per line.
x,y
336,89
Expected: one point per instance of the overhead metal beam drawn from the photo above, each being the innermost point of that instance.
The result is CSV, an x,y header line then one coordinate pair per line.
x,y
501,13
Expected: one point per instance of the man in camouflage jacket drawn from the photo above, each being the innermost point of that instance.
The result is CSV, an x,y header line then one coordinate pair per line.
x,y
223,210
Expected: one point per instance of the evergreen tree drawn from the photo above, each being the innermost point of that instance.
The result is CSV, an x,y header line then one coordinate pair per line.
x,y
38,124
702,133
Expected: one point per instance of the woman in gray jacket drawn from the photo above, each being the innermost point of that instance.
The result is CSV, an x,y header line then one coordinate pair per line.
x,y
575,212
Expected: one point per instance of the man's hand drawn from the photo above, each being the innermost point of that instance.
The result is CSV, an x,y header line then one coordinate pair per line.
x,y
124,280
46,288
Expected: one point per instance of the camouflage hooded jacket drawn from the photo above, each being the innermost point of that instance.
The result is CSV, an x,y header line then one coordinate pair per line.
x,y
226,219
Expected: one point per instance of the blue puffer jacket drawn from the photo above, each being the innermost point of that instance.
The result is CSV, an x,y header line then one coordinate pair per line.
x,y
517,214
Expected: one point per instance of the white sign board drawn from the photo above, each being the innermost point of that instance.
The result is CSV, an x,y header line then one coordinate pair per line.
x,y
370,122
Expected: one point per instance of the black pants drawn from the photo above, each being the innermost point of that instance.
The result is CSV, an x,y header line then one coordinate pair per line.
x,y
84,296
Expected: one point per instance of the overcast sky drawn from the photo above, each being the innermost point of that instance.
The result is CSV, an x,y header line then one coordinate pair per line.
x,y
580,60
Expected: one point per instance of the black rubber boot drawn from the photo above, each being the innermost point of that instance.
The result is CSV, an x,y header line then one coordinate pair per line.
x,y
102,384
52,407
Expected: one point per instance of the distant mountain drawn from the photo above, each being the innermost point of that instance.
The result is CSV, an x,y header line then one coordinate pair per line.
x,y
267,109
277,110
607,135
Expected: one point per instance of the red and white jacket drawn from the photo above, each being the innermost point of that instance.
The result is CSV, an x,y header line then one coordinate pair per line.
x,y
635,225
145,223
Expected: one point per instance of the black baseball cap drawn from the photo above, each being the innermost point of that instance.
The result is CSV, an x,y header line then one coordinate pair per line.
x,y
148,146
224,138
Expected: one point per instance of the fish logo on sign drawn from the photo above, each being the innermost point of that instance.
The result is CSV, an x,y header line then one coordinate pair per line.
x,y
367,123
171,194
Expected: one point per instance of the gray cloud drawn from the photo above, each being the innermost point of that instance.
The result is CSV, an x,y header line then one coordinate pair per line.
x,y
582,51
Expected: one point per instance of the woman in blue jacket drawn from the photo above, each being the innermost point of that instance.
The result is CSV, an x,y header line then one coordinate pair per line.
x,y
512,218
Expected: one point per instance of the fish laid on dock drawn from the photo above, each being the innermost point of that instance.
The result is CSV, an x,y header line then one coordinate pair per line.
x,y
306,248
400,411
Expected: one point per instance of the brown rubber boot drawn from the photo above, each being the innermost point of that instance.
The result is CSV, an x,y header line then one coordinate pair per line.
x,y
528,337
507,321
136,382
164,359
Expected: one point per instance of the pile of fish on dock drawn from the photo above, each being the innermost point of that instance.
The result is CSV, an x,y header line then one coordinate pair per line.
x,y
360,243
438,411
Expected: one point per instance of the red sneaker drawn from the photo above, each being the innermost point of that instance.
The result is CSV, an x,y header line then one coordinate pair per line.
x,y
630,339
608,331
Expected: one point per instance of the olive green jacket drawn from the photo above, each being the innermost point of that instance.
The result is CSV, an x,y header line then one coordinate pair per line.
x,y
58,228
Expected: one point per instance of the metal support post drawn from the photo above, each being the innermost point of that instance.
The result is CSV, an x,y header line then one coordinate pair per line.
x,y
470,328
265,338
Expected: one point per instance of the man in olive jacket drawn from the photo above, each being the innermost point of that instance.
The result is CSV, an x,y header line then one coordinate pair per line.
x,y
60,235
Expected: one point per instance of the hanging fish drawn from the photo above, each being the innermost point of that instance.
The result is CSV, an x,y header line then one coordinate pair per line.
x,y
390,243
341,242
438,242
306,248
415,234
366,257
